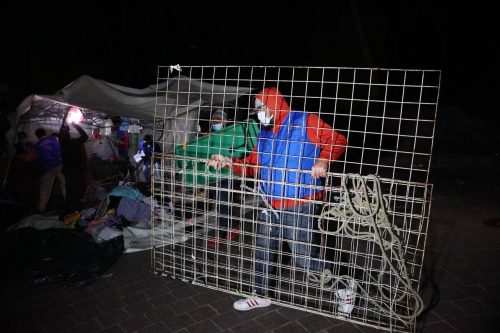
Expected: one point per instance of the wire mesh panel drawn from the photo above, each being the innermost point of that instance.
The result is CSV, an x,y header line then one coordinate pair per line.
x,y
313,194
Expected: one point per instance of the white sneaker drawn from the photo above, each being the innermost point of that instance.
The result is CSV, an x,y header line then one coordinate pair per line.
x,y
347,297
250,303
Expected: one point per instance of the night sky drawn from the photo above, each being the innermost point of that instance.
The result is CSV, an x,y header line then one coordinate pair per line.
x,y
46,46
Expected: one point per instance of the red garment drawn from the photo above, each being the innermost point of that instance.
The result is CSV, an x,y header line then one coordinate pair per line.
x,y
332,143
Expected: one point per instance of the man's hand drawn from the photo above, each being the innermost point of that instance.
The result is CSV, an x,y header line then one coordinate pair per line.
x,y
319,169
218,161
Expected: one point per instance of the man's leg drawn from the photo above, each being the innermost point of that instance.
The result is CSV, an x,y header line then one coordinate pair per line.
x,y
303,241
225,197
73,189
46,183
157,171
265,254
221,195
61,180
146,171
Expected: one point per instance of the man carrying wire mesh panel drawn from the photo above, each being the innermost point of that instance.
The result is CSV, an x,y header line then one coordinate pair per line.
x,y
290,159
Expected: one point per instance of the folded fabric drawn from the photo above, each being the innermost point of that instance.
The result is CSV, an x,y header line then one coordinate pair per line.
x,y
108,233
135,211
126,191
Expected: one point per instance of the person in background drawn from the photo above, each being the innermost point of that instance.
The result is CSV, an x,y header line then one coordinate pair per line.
x,y
74,160
147,148
122,144
23,146
48,152
24,171
290,159
227,227
218,120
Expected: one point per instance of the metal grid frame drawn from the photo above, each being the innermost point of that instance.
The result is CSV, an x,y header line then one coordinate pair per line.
x,y
388,118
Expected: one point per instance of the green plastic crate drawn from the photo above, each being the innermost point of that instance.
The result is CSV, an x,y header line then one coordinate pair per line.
x,y
234,141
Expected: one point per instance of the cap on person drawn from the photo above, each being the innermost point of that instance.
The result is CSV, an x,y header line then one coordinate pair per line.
x,y
258,103
219,114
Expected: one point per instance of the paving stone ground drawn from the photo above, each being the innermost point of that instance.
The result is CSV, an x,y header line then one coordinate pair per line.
x,y
460,283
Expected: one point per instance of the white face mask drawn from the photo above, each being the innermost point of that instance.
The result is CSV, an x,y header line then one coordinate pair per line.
x,y
216,127
263,119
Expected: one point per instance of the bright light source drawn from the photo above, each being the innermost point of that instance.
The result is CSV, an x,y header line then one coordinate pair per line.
x,y
74,115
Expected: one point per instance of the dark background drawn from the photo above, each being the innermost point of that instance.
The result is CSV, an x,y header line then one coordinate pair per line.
x,y
46,46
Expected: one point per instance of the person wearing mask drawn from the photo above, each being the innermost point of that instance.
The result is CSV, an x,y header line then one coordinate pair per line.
x,y
227,228
218,120
74,160
289,161
48,152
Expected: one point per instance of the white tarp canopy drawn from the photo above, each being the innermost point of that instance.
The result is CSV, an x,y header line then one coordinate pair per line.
x,y
180,97
100,96
177,102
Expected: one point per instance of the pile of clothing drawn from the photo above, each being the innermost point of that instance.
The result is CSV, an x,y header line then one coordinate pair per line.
x,y
77,248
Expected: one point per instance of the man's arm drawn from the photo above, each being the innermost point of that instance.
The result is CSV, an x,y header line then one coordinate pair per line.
x,y
248,168
83,135
331,142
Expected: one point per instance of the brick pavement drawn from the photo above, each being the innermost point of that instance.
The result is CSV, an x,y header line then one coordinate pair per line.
x,y
460,284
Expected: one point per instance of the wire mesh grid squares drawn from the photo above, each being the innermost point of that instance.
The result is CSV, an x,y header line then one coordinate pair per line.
x,y
355,251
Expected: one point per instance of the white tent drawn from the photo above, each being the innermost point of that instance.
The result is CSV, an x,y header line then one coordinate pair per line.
x,y
177,102
97,95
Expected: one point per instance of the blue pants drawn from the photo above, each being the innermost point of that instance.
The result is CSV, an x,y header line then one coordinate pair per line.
x,y
294,225
224,196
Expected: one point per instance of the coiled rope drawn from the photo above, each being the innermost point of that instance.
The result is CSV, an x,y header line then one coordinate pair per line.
x,y
365,207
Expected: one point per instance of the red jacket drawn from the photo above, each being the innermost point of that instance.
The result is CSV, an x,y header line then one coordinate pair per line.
x,y
332,143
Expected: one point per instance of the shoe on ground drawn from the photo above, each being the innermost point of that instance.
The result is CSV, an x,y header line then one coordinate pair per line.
x,y
230,235
346,298
251,303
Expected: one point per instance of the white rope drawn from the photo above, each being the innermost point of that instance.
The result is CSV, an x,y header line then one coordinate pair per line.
x,y
261,193
366,207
